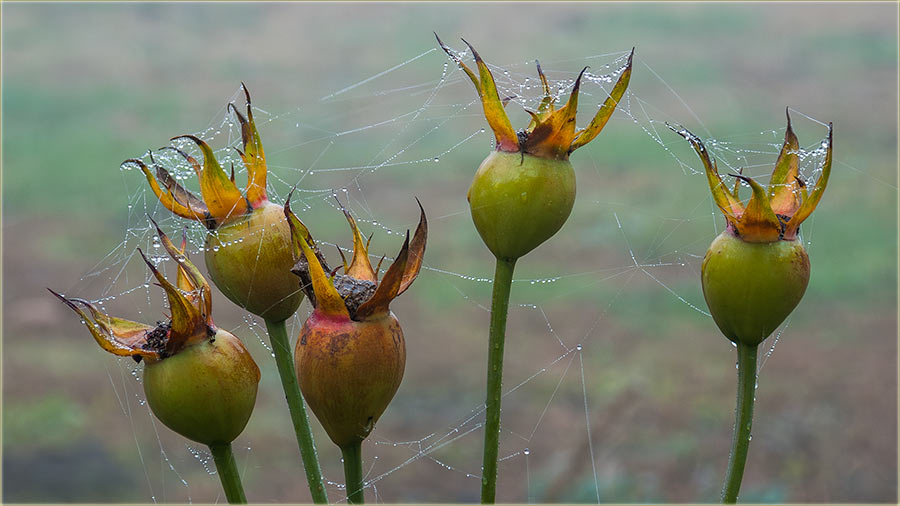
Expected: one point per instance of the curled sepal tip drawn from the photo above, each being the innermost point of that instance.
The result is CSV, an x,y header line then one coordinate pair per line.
x,y
222,197
118,336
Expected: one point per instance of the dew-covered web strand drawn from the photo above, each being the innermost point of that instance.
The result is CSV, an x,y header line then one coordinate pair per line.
x,y
421,111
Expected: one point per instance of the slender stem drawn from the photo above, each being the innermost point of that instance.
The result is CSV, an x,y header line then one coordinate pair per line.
x,y
281,348
353,473
499,306
743,419
228,473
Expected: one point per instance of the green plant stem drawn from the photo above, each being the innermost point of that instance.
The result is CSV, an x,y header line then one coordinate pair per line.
x,y
743,420
282,349
353,474
499,306
228,473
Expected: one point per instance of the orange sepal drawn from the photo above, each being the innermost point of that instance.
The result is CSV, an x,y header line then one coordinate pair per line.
x,y
186,320
758,223
253,155
728,203
223,199
607,109
507,140
360,267
784,194
328,300
169,198
554,130
388,288
812,200
416,252
118,336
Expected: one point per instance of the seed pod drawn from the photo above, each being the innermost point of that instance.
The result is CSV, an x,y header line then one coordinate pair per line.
x,y
350,354
199,380
247,250
756,271
523,193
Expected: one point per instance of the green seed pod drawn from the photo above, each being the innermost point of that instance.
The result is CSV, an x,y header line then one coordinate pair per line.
x,y
207,391
523,192
248,260
756,271
519,201
199,380
750,288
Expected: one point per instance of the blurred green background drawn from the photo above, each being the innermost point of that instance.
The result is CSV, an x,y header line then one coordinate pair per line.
x,y
642,413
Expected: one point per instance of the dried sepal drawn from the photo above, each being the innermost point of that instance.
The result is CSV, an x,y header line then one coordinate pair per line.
x,y
783,185
186,319
507,140
812,200
416,252
758,223
324,297
118,336
554,130
190,282
727,201
253,155
222,197
607,109
360,267
168,198
389,287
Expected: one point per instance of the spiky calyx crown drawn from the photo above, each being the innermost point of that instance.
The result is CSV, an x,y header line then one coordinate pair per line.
x,y
551,133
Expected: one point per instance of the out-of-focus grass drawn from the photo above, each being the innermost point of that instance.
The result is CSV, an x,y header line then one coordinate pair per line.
x,y
87,85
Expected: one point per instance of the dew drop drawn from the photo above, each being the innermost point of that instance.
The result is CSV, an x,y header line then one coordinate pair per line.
x,y
436,159
577,347
526,452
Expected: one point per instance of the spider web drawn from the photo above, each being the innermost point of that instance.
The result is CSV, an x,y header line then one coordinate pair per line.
x,y
374,145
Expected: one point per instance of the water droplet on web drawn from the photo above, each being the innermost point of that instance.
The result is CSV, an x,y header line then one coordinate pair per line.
x,y
577,347
526,452
436,159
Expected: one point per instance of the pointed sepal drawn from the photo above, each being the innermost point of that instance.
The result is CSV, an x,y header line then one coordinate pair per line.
x,y
553,131
175,198
784,194
728,203
607,109
388,288
186,319
253,155
118,336
327,299
812,200
416,252
360,267
507,140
